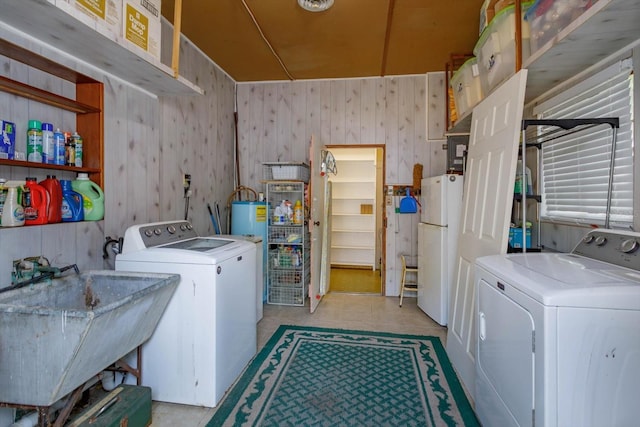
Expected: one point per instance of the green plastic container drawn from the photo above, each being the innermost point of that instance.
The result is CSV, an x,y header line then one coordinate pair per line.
x,y
92,197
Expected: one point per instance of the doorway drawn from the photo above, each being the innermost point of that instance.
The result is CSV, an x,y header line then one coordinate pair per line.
x,y
357,236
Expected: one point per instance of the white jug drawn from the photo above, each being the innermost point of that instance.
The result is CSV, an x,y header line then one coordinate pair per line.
x,y
12,212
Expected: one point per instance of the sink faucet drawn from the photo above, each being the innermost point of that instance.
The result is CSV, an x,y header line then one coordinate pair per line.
x,y
46,273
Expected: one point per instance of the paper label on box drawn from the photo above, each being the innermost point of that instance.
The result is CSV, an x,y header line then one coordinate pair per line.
x,y
97,7
136,27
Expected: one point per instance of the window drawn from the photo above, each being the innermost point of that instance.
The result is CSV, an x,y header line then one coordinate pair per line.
x,y
575,167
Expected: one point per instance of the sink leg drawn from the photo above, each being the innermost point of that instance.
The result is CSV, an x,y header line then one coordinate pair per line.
x,y
68,407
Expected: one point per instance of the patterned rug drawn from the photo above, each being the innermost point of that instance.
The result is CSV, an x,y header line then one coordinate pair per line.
x,y
308,376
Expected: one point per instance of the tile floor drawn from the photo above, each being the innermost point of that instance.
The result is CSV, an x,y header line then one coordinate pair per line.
x,y
337,310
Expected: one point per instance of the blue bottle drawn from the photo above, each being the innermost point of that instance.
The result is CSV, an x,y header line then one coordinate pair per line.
x,y
72,206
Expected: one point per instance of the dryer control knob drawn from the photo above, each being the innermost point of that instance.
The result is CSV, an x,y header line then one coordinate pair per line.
x,y
629,246
183,227
157,232
601,240
171,229
189,226
588,239
148,233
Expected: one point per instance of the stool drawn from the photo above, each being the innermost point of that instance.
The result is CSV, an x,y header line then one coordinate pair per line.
x,y
405,284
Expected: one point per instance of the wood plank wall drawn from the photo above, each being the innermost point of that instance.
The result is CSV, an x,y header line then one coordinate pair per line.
x,y
277,119
150,142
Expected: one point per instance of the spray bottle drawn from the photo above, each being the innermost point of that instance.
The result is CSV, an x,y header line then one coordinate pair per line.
x,y
13,212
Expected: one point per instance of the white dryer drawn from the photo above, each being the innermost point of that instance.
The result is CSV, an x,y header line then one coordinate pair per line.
x,y
207,334
559,335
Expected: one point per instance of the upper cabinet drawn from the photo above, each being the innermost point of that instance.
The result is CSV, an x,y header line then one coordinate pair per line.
x,y
79,36
604,30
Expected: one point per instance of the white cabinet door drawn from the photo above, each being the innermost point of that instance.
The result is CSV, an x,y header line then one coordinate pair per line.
x,y
487,200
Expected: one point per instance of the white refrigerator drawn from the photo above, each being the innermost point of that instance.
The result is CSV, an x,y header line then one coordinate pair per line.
x,y
438,243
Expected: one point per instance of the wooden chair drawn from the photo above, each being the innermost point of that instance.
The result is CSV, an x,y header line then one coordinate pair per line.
x,y
408,284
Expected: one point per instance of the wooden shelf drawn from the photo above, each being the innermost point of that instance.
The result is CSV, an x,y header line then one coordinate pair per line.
x,y
602,31
81,38
88,107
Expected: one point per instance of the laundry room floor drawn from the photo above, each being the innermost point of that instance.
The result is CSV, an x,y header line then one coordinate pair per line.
x,y
337,310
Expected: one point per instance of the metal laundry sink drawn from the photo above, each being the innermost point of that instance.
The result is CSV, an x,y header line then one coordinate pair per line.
x,y
55,336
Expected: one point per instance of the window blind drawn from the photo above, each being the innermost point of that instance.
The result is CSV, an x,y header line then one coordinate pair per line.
x,y
575,167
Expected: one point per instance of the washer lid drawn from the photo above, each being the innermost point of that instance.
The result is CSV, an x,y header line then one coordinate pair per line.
x,y
198,244
555,279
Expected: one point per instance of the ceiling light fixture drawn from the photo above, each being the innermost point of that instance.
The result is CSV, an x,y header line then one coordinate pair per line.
x,y
315,5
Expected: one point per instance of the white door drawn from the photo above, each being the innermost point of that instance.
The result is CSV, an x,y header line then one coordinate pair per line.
x,y
433,288
487,200
317,225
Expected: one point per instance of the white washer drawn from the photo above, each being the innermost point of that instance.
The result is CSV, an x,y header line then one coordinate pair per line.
x,y
559,335
207,334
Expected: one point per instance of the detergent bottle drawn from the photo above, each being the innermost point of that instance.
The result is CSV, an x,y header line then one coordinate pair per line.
x,y
13,212
92,196
52,185
36,203
72,206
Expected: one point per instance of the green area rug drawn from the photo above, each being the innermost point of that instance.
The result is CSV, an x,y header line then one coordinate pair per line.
x,y
308,376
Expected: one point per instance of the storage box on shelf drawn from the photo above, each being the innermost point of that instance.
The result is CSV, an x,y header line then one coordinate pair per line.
x,y
496,48
287,171
87,106
102,15
141,26
547,18
465,84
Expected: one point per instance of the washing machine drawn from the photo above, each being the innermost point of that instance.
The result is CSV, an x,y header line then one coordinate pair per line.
x,y
207,334
559,335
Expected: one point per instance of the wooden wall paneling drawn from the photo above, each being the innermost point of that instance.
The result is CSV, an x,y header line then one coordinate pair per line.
x,y
337,116
169,179
89,240
274,148
258,149
438,157
246,156
115,158
299,150
421,146
136,159
368,111
391,126
313,113
283,138
325,112
352,112
17,243
225,164
381,113
406,130
436,95
153,159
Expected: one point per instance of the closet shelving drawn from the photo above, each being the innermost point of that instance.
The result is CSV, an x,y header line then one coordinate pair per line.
x,y
353,215
536,133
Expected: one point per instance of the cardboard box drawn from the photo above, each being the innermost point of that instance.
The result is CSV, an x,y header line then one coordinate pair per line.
x,y
7,139
141,27
515,237
104,15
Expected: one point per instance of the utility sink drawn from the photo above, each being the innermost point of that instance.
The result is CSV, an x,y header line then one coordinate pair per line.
x,y
57,335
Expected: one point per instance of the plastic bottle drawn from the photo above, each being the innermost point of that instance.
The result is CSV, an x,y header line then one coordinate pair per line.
x,y
12,212
35,203
92,195
72,206
48,146
59,147
298,215
3,196
34,141
76,139
69,150
52,185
